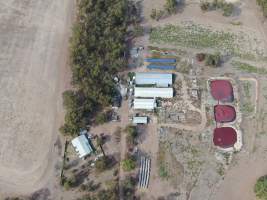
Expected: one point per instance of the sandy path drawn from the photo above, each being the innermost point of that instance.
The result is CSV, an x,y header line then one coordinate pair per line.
x,y
33,34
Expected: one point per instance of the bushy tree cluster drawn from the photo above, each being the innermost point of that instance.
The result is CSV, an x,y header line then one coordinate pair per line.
x,y
129,163
213,60
97,50
111,193
263,5
227,8
171,6
260,188
128,187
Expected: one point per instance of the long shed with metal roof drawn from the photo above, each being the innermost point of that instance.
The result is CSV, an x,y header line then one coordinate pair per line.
x,y
147,92
144,104
153,78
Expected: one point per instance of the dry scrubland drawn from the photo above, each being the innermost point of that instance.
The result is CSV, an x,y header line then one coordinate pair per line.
x,y
33,51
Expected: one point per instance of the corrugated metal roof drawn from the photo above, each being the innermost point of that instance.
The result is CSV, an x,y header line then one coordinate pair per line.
x,y
140,120
153,92
161,67
148,78
82,146
146,104
160,60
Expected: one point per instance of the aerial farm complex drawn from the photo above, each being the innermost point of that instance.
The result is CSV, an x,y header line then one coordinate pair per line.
x,y
139,100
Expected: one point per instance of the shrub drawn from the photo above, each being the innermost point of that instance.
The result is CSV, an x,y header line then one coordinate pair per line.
x,y
69,182
153,14
102,164
138,31
129,163
263,5
260,188
213,60
228,9
205,6
128,187
170,6
131,134
200,57
101,118
156,14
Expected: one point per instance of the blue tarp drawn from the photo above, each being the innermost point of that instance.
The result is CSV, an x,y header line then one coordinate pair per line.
x,y
162,67
160,60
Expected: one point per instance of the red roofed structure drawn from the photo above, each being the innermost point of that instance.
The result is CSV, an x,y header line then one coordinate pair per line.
x,y
224,137
224,113
222,90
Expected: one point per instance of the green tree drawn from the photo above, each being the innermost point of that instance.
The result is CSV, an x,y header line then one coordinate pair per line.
x,y
213,60
131,134
129,163
153,14
101,118
102,164
128,187
260,188
205,6
97,46
228,9
170,6
263,5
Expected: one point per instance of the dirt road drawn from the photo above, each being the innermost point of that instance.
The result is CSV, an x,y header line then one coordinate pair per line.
x,y
34,38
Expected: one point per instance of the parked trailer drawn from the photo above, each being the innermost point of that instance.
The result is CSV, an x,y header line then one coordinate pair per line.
x,y
161,67
160,60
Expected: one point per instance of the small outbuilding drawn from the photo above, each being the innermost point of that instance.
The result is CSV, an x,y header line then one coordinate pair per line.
x,y
140,120
147,92
82,146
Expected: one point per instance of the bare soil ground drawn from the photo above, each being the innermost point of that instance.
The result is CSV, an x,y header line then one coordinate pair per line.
x,y
34,41
237,181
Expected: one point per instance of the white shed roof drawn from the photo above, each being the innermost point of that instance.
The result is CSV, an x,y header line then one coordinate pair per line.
x,y
140,120
146,104
148,78
153,92
82,146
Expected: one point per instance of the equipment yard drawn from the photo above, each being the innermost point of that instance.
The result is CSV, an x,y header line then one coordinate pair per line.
x,y
188,115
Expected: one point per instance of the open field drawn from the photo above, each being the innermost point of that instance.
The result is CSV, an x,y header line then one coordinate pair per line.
x,y
34,41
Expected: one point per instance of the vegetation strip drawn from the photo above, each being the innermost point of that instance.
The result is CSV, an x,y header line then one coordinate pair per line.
x,y
197,36
249,68
97,50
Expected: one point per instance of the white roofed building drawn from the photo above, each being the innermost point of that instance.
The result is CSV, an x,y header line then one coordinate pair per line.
x,y
144,104
147,92
82,146
140,120
153,78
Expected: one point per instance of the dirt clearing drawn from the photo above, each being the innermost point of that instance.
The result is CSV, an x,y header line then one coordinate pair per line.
x,y
34,39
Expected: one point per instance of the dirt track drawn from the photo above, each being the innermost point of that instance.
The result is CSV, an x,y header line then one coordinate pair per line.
x,y
33,40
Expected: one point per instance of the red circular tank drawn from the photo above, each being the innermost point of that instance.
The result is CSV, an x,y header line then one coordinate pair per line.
x,y
224,113
224,137
222,90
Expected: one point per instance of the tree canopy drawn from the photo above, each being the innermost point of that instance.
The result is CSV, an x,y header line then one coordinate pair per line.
x,y
260,188
263,5
97,48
